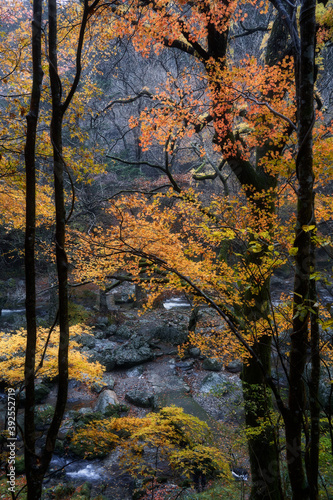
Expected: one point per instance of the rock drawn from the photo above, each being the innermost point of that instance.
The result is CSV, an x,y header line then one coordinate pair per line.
x,y
87,341
214,382
123,332
82,418
131,353
43,416
235,366
104,353
185,365
106,383
170,334
99,334
42,390
135,372
106,358
212,364
122,298
143,399
102,322
166,381
110,330
106,398
194,352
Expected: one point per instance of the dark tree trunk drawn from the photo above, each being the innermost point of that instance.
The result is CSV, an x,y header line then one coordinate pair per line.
x,y
262,433
36,466
304,262
60,233
33,482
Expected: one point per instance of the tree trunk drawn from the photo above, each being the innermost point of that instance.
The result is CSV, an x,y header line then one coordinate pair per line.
x,y
261,431
262,439
304,264
60,232
33,482
36,466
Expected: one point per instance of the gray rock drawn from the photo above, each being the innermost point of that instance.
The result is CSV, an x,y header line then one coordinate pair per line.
x,y
212,364
107,383
102,322
123,332
170,334
43,416
135,372
104,353
110,330
141,398
214,382
234,366
106,358
99,334
133,352
106,398
42,390
87,341
122,298
194,352
185,365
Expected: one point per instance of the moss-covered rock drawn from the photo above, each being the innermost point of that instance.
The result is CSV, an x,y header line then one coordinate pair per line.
x,y
43,416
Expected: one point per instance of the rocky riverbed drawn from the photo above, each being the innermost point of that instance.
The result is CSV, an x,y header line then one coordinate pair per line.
x,y
143,373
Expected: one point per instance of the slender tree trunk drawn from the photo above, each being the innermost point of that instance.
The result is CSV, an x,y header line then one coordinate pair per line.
x,y
60,233
36,466
33,482
304,260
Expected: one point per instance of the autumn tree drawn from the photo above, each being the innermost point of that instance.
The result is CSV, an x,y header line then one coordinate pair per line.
x,y
209,45
37,464
255,110
181,440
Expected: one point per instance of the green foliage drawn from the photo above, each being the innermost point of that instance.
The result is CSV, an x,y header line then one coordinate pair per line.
x,y
218,490
43,415
326,467
116,410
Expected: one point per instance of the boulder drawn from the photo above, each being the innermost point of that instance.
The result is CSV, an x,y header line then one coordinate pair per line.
x,y
141,398
106,383
186,365
104,353
137,371
42,390
220,385
170,334
123,332
134,352
43,416
215,382
235,366
212,364
194,352
87,341
106,398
